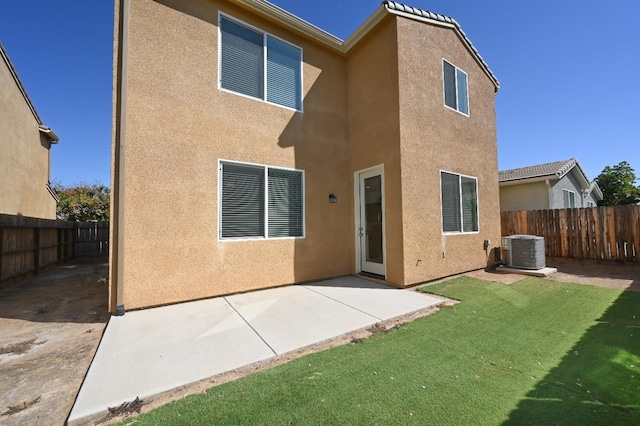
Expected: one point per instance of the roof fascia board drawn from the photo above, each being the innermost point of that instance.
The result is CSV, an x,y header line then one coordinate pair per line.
x,y
528,180
580,176
460,35
14,74
53,138
594,187
364,28
303,27
291,21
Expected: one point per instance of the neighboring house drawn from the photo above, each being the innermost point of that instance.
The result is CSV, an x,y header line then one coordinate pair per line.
x,y
25,150
558,185
252,149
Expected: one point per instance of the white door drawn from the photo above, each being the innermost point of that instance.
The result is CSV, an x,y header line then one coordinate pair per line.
x,y
370,226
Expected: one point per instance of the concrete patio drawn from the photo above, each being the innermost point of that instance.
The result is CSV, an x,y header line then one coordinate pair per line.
x,y
148,352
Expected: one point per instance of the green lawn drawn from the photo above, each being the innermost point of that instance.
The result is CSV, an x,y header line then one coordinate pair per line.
x,y
536,352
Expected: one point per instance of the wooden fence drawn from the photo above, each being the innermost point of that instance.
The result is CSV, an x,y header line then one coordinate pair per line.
x,y
29,246
605,233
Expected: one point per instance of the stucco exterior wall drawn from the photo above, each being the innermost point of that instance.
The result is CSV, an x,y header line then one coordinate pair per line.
x,y
179,125
526,196
569,183
363,108
589,198
24,158
434,138
374,129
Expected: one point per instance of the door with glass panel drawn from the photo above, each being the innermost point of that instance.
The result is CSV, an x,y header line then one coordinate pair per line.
x,y
370,226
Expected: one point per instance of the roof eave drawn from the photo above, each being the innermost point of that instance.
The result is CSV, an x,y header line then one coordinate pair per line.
x,y
293,22
53,138
450,23
596,188
527,180
18,82
364,28
303,27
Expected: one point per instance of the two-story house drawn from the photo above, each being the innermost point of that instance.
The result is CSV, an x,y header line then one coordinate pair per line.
x,y
25,147
252,149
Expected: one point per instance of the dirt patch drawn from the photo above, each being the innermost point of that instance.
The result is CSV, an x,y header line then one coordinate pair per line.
x,y
600,273
50,327
498,277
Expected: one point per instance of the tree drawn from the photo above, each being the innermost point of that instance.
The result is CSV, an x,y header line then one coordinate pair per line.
x,y
618,185
82,202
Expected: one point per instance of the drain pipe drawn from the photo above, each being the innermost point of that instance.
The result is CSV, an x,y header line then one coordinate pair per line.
x,y
119,147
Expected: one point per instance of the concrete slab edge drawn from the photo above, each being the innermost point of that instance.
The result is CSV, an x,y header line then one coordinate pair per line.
x,y
544,272
154,401
93,357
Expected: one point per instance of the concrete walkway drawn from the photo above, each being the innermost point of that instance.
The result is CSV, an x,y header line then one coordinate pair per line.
x,y
144,353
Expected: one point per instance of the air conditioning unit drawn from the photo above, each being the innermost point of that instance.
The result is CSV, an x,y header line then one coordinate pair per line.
x,y
524,251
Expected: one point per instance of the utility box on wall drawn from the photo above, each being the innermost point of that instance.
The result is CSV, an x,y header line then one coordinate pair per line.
x,y
524,251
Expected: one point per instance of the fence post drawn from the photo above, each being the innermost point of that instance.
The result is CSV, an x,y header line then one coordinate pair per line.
x,y
36,250
1,252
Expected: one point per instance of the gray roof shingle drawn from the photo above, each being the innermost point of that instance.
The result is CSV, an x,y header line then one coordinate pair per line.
x,y
556,169
393,5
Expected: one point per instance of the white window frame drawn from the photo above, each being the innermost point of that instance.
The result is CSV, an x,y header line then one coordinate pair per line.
x,y
266,201
461,232
264,64
569,198
444,88
591,204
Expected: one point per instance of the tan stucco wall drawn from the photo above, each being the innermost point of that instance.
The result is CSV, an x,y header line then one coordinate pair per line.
x,y
526,196
179,125
24,155
361,110
374,132
435,138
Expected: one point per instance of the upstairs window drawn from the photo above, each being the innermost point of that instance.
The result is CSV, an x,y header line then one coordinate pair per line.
x,y
456,94
459,203
260,201
259,65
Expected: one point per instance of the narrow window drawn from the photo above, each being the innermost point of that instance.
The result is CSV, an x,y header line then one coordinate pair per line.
x,y
569,199
251,209
459,198
456,95
274,77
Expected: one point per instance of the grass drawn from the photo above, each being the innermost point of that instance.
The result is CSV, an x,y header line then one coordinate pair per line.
x,y
536,352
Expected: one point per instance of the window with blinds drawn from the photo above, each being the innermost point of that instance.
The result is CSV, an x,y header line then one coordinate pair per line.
x,y
456,95
459,201
260,201
259,65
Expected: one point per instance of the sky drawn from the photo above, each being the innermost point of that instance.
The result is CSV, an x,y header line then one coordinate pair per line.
x,y
566,70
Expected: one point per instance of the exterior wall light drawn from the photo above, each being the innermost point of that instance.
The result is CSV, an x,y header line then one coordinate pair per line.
x,y
333,199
